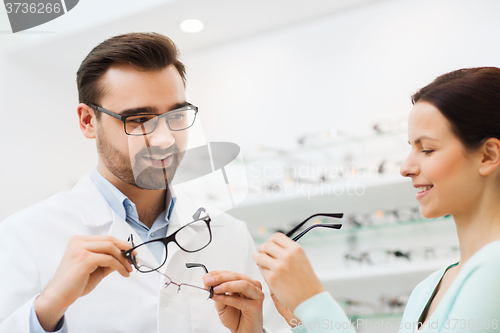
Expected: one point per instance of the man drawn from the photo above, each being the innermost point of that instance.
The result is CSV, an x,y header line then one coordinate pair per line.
x,y
62,262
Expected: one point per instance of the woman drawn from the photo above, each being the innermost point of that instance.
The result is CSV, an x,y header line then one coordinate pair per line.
x,y
454,133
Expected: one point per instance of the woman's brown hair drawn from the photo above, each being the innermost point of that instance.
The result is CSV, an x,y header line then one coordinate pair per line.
x,y
470,99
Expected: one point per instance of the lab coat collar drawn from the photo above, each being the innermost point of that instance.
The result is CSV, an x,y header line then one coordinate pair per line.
x,y
91,205
184,209
95,211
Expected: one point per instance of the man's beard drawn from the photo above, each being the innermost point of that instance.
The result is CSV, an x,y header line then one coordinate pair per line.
x,y
149,177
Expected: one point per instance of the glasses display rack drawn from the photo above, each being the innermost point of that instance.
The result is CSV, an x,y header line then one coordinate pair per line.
x,y
366,258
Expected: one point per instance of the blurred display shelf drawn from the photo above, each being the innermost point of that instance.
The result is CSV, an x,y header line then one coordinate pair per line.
x,y
281,211
431,245
268,211
325,248
348,188
370,285
264,153
393,271
318,235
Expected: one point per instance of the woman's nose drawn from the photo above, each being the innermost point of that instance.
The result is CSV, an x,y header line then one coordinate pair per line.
x,y
409,167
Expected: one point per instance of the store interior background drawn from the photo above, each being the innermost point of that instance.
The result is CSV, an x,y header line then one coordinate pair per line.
x,y
265,74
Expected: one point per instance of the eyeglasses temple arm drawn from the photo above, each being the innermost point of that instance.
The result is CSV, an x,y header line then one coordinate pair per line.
x,y
103,110
127,254
192,265
333,226
196,216
297,227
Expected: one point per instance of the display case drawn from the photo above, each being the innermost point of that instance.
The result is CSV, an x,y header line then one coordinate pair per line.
x,y
384,248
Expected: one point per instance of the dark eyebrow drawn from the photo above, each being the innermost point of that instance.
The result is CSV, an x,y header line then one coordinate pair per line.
x,y
423,137
150,109
141,110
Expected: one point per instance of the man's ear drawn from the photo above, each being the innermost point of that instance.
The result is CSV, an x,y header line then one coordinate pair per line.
x,y
87,120
490,156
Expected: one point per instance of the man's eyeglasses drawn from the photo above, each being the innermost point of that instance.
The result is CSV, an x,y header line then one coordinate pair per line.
x,y
192,237
179,287
326,225
144,124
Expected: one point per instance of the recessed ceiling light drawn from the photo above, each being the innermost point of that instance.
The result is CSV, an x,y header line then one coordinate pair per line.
x,y
192,26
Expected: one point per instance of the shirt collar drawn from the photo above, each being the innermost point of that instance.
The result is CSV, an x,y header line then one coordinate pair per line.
x,y
119,202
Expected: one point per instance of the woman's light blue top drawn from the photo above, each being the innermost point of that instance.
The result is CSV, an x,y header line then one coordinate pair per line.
x,y
471,304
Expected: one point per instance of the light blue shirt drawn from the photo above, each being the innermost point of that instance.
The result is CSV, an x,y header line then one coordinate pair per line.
x,y
125,209
471,304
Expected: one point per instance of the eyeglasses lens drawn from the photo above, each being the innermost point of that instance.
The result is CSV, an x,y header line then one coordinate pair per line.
x,y
146,124
193,236
143,260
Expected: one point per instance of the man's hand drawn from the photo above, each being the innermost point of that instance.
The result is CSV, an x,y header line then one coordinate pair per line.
x,y
287,271
86,261
238,300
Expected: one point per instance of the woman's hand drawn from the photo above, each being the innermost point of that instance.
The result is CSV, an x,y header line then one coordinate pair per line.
x,y
238,300
285,312
287,271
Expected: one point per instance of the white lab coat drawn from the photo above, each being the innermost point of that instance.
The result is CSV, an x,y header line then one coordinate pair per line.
x,y
33,241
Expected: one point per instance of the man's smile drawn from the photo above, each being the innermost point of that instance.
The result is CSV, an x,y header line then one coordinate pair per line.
x,y
159,161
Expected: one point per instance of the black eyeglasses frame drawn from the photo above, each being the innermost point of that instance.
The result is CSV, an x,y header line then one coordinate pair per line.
x,y
171,238
165,115
326,225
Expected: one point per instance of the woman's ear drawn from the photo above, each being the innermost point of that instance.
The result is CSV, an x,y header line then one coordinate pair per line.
x,y
87,120
490,156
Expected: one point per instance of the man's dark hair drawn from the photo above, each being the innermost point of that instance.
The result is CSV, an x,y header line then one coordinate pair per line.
x,y
143,51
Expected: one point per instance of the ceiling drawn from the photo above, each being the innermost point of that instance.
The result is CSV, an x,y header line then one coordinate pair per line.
x,y
224,20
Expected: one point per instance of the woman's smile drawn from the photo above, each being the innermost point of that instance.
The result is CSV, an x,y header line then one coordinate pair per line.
x,y
422,190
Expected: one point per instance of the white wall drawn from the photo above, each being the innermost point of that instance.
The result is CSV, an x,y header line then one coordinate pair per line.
x,y
344,71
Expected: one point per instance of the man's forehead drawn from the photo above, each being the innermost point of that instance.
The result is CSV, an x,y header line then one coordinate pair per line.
x,y
126,84
119,72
